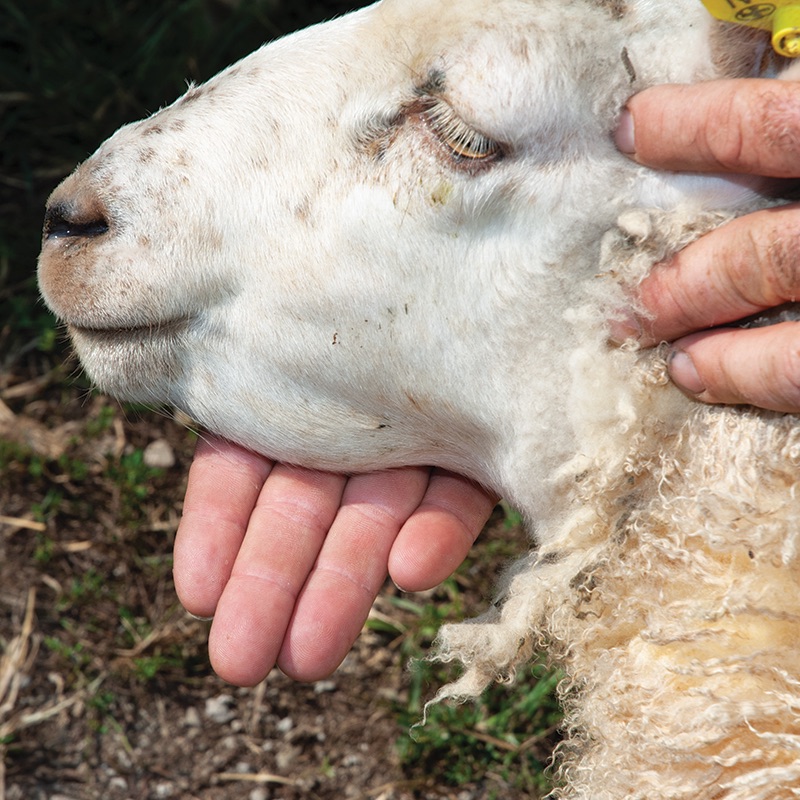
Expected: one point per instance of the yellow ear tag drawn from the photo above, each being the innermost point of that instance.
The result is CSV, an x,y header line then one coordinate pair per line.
x,y
781,17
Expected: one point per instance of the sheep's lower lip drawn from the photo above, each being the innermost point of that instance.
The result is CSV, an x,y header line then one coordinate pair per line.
x,y
137,333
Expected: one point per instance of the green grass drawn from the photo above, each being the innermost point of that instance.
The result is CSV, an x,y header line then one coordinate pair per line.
x,y
127,629
500,733
504,736
71,652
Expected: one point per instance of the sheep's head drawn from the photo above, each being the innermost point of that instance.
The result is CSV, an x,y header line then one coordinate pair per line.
x,y
356,247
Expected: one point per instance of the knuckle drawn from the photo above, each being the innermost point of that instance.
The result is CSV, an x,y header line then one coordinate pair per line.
x,y
779,122
782,258
728,141
772,123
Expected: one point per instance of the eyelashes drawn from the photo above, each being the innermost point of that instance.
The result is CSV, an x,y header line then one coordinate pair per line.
x,y
432,118
465,143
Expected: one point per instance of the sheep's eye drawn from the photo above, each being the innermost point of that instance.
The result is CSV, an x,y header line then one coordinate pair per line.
x,y
464,141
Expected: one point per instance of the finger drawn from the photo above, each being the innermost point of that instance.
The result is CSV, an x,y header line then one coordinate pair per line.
x,y
224,482
748,126
438,536
350,571
739,269
286,530
760,367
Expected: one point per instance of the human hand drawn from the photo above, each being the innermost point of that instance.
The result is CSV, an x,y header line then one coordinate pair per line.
x,y
288,561
744,267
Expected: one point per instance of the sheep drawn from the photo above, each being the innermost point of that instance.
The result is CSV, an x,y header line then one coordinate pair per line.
x,y
396,238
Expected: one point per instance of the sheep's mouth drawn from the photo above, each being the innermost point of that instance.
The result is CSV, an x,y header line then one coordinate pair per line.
x,y
134,334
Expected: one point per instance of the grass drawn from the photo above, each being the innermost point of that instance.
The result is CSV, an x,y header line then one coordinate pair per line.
x,y
506,733
112,636
506,736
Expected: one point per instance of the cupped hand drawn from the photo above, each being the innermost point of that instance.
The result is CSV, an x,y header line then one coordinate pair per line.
x,y
744,267
288,561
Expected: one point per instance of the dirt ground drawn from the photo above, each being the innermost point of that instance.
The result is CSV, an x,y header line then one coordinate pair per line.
x,y
105,687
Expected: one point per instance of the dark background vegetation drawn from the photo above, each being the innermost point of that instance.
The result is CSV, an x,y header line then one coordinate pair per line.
x,y
73,71
105,687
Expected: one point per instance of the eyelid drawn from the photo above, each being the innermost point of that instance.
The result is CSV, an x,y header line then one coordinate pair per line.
x,y
463,140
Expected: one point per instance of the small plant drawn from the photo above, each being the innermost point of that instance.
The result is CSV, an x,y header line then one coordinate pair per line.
x,y
147,667
44,550
85,587
101,422
19,457
74,653
75,468
134,481
101,706
49,504
507,732
504,737
132,475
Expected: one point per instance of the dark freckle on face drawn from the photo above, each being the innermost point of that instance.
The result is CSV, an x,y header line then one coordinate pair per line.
x,y
193,94
617,8
182,158
146,154
521,49
153,130
303,210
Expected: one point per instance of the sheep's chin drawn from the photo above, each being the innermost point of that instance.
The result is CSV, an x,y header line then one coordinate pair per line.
x,y
135,364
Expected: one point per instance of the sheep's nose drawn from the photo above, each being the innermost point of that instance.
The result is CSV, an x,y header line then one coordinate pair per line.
x,y
75,210
70,220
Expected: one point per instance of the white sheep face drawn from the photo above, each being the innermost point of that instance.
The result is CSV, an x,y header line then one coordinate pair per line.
x,y
356,247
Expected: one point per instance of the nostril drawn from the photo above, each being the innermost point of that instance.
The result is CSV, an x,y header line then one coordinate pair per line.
x,y
61,221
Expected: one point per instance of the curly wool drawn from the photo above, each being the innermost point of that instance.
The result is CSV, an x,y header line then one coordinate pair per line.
x,y
670,597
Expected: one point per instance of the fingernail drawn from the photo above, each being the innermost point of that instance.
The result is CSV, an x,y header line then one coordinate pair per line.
x,y
684,374
624,135
624,326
